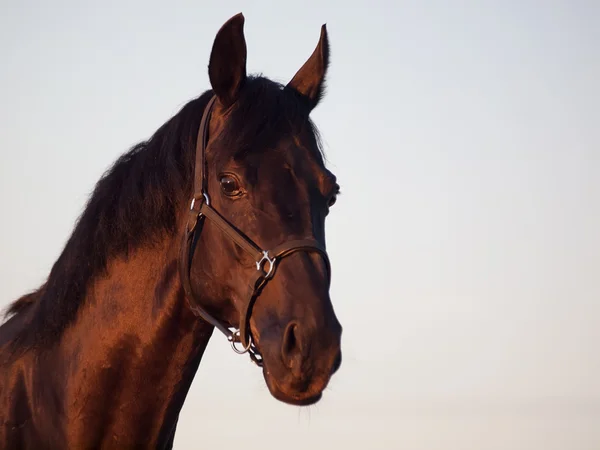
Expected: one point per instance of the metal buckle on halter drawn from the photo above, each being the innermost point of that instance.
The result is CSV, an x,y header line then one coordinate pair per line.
x,y
192,225
206,200
271,261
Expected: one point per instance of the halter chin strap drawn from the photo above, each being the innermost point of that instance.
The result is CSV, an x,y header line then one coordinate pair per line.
x,y
266,260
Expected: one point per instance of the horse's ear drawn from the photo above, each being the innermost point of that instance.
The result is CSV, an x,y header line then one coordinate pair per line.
x,y
310,79
227,65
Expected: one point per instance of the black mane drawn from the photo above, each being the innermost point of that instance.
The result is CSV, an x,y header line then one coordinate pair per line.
x,y
137,200
267,111
132,203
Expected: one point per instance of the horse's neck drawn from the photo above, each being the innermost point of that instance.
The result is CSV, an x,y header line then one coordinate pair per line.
x,y
132,353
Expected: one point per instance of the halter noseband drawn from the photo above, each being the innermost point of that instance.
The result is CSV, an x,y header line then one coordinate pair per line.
x,y
266,260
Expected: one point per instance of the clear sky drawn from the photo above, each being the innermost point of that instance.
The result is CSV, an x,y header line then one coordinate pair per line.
x,y
465,246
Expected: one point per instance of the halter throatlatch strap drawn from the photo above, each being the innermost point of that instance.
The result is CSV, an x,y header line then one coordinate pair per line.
x,y
266,261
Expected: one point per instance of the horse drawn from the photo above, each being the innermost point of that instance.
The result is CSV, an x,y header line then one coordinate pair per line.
x,y
217,221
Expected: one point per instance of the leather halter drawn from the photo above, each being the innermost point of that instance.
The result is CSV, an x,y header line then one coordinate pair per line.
x,y
266,260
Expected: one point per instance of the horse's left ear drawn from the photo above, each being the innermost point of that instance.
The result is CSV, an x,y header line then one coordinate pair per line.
x,y
227,65
310,79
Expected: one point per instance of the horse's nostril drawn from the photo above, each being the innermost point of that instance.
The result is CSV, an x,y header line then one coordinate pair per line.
x,y
291,350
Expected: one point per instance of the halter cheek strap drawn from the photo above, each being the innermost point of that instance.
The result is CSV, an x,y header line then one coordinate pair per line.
x,y
266,260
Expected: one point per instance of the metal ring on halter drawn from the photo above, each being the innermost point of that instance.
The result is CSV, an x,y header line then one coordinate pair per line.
x,y
233,340
266,257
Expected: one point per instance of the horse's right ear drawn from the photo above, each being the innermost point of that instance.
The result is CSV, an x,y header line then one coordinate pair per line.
x,y
309,81
227,65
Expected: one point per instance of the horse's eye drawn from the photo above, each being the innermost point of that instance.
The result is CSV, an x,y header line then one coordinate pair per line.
x,y
230,185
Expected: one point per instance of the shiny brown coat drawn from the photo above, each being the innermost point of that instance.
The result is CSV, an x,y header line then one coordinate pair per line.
x,y
102,355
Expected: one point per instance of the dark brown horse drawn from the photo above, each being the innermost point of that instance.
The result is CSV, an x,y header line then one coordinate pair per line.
x,y
217,221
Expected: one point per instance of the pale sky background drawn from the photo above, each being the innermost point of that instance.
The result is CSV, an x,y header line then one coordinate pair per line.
x,y
465,246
